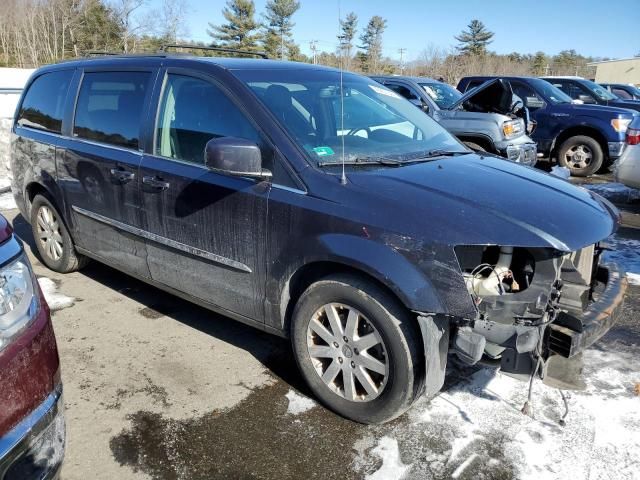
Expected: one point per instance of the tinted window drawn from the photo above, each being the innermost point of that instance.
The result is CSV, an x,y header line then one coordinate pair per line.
x,y
109,108
621,93
192,112
43,105
402,90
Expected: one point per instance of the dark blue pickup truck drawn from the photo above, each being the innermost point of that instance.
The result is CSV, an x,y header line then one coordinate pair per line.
x,y
582,138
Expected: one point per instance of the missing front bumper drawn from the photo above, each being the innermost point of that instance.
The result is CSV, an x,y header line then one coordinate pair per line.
x,y
572,333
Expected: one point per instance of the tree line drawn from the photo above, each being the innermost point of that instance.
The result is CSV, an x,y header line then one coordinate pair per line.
x,y
37,32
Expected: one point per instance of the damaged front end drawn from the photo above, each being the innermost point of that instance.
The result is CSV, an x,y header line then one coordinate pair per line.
x,y
538,309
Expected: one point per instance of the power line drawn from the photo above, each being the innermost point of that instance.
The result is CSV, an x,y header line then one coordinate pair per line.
x,y
402,50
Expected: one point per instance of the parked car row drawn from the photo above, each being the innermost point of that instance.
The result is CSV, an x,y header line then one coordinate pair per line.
x,y
323,206
582,137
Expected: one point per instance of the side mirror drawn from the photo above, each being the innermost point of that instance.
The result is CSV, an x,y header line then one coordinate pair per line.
x,y
587,99
420,104
534,102
235,156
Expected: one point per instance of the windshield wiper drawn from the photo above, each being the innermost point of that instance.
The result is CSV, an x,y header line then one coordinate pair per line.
x,y
361,161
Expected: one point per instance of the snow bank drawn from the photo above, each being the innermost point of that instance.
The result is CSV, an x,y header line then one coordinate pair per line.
x,y
614,192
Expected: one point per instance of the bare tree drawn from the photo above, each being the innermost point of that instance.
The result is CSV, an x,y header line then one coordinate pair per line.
x,y
131,26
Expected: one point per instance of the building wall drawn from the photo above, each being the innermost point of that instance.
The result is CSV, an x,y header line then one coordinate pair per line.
x,y
620,71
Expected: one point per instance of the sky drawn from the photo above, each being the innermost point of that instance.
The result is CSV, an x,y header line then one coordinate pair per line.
x,y
591,27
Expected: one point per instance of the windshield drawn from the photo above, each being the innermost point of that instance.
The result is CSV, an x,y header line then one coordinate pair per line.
x,y
598,90
444,95
553,94
372,121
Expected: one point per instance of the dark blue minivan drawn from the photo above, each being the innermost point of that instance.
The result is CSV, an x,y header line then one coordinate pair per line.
x,y
317,205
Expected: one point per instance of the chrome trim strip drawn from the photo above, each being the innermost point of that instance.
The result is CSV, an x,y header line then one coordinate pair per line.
x,y
104,145
37,130
12,438
163,240
9,250
288,189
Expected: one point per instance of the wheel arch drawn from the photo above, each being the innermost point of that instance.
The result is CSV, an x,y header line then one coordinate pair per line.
x,y
585,130
481,140
404,283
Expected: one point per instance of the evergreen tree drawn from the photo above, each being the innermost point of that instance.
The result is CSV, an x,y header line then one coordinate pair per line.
x,y
474,41
278,40
241,30
539,63
348,27
372,43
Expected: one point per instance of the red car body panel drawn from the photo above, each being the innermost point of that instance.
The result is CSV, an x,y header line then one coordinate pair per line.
x,y
29,370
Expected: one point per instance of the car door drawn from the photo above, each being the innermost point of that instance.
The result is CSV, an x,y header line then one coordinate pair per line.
x,y
206,230
99,171
547,122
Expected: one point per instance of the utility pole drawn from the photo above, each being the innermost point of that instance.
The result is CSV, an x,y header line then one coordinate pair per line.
x,y
313,45
546,70
402,50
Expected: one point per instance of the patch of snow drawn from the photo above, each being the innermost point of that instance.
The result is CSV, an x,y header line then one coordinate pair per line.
x,y
298,404
633,278
392,467
55,299
479,422
464,465
7,202
562,172
626,252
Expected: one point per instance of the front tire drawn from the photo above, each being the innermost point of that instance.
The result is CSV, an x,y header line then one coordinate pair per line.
x,y
358,349
582,155
52,238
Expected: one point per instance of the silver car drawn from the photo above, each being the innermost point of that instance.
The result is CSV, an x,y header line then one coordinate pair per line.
x,y
627,167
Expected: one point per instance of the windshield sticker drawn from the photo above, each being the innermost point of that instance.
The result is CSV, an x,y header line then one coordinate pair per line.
x,y
384,91
323,151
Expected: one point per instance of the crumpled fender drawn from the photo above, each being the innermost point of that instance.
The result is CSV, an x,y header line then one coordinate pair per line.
x,y
385,264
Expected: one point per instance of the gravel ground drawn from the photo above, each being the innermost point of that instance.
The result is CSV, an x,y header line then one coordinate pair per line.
x,y
158,388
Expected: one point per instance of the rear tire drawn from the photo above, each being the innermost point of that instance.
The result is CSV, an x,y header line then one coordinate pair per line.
x,y
371,384
582,155
52,238
475,147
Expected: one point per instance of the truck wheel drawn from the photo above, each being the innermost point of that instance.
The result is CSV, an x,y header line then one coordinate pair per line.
x,y
52,238
358,350
582,155
475,147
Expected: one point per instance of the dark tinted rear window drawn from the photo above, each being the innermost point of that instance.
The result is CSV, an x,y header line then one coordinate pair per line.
x,y
43,105
109,108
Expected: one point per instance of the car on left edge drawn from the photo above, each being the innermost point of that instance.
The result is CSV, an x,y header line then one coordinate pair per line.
x,y
32,427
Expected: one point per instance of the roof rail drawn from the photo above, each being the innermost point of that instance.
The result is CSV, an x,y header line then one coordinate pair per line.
x,y
100,53
216,49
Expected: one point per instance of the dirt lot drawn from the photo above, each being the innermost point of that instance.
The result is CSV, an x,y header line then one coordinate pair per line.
x,y
158,388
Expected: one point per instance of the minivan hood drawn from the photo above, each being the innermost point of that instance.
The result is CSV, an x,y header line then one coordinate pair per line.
x,y
474,199
493,96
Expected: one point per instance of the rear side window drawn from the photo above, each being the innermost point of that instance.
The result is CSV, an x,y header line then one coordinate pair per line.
x,y
109,108
43,104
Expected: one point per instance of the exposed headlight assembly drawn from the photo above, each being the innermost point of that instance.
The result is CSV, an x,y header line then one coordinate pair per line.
x,y
512,128
18,303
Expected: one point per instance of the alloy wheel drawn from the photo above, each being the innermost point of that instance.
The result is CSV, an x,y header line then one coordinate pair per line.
x,y
347,352
49,233
579,156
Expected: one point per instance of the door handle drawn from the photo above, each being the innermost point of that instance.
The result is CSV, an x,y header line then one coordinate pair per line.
x,y
155,183
121,175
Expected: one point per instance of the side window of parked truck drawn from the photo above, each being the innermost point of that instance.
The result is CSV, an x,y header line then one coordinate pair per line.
x,y
110,107
43,105
192,112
